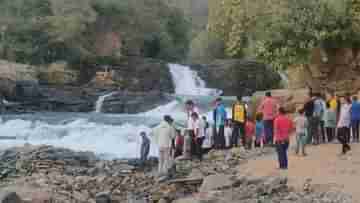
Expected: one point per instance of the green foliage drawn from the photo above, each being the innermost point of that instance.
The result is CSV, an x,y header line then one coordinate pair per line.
x,y
307,25
44,31
283,32
206,47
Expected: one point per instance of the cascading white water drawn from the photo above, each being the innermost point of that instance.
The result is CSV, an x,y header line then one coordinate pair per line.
x,y
284,78
114,140
99,103
188,82
108,140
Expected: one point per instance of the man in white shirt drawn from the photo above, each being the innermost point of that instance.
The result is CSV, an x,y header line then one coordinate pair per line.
x,y
164,133
190,109
197,133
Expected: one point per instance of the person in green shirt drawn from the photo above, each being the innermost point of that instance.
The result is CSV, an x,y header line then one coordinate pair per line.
x,y
330,122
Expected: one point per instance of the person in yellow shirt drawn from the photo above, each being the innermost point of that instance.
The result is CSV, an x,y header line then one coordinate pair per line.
x,y
334,103
239,117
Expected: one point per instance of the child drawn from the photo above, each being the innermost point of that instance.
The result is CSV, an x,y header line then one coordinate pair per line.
x,y
228,134
249,133
259,131
330,122
207,143
179,143
301,124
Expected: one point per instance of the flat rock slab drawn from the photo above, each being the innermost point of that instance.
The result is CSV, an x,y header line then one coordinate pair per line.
x,y
214,182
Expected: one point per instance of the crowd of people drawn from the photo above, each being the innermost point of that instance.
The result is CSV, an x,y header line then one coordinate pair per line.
x,y
319,120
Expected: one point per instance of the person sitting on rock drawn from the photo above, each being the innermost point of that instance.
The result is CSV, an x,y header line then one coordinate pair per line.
x,y
145,148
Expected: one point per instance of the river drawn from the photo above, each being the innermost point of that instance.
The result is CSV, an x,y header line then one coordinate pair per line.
x,y
108,135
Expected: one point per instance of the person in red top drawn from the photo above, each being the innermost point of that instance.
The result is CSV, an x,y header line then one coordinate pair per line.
x,y
268,108
179,144
249,133
283,127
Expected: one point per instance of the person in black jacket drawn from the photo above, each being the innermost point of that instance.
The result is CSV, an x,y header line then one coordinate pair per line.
x,y
309,107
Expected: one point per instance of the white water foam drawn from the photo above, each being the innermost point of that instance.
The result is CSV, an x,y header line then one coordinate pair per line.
x,y
188,82
81,135
120,141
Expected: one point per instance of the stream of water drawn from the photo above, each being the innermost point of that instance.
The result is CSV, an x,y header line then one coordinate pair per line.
x,y
110,135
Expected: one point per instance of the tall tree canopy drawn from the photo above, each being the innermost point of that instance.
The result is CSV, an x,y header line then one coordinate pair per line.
x,y
43,31
283,32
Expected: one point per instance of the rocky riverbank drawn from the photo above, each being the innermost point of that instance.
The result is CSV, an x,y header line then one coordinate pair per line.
x,y
235,76
46,174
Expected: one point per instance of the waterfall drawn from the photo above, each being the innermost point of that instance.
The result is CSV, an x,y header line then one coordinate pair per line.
x,y
103,133
99,103
284,78
188,82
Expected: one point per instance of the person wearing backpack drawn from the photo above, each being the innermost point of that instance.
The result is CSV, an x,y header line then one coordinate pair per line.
x,y
239,116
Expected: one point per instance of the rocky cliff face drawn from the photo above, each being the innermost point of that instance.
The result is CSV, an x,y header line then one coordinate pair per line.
x,y
238,77
335,70
138,81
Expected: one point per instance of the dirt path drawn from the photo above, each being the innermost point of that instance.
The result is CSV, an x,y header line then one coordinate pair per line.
x,y
323,165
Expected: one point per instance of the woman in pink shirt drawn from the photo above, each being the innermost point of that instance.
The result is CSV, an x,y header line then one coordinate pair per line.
x,y
283,127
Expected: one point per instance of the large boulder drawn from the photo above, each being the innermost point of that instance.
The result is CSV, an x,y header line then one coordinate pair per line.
x,y
9,197
291,100
134,102
135,74
12,73
238,77
214,182
58,73
335,70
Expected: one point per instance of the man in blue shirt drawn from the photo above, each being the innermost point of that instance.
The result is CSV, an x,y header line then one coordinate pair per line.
x,y
220,116
318,114
355,118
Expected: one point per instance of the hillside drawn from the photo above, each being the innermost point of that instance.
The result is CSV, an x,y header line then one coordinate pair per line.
x,y
44,31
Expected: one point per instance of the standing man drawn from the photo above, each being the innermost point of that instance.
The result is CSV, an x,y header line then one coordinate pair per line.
x,y
164,133
145,148
197,134
309,114
239,116
317,116
268,108
220,116
355,118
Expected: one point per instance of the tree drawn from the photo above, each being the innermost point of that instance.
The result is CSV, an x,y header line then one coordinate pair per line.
x,y
283,32
206,47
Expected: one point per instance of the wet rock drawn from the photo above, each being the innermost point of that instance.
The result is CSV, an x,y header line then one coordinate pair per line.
x,y
134,102
242,76
9,197
103,197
